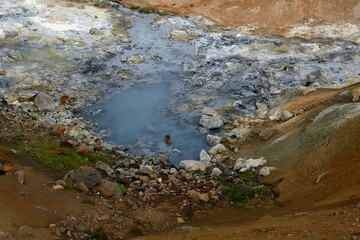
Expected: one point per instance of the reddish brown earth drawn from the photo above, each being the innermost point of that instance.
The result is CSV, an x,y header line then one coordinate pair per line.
x,y
269,17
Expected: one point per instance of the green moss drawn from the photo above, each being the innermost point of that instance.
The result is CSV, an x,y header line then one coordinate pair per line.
x,y
122,188
47,150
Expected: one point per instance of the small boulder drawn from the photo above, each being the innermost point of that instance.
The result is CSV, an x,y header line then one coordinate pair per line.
x,y
216,172
210,119
219,148
192,165
26,231
286,115
100,165
267,133
88,175
205,157
213,140
110,190
44,102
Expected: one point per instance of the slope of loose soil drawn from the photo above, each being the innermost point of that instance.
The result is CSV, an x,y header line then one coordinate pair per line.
x,y
269,17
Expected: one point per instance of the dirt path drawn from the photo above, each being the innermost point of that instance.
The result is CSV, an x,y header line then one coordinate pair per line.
x,y
34,203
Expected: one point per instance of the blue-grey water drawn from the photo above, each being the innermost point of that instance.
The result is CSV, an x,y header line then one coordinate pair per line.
x,y
139,116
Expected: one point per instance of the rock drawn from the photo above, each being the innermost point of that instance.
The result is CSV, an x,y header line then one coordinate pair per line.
x,y
20,176
95,31
57,187
88,175
241,133
213,140
216,172
192,165
3,72
309,90
136,59
205,157
110,190
180,220
81,186
44,102
210,119
242,165
26,231
15,55
286,115
198,197
267,133
265,171
219,148
164,160
100,165
82,150
144,179
145,169
182,36
168,139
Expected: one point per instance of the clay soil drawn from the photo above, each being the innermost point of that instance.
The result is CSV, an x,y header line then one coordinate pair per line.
x,y
272,17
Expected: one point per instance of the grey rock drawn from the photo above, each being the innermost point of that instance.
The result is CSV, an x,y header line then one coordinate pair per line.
x,y
267,133
100,165
145,169
213,140
44,102
210,119
286,115
88,175
95,31
192,165
26,231
20,176
110,190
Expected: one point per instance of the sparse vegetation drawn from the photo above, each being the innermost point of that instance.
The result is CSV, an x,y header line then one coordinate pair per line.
x,y
122,188
140,9
137,231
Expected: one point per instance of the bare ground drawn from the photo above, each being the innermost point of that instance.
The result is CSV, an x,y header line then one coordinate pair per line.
x,y
273,17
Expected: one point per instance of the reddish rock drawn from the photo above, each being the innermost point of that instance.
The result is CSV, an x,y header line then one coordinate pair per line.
x,y
82,150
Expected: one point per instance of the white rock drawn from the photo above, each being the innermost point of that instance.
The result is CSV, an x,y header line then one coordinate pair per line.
x,y
216,172
213,140
265,171
210,119
192,165
219,148
242,165
205,157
